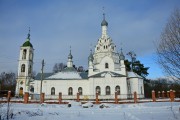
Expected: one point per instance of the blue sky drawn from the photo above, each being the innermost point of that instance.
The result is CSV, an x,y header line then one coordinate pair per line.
x,y
134,25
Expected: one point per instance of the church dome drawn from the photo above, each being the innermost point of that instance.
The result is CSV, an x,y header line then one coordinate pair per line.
x,y
104,23
27,44
121,56
91,58
70,56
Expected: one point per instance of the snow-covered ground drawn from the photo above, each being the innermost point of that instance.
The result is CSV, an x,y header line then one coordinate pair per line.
x,y
139,111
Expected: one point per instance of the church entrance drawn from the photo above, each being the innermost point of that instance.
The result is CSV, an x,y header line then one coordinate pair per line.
x,y
21,91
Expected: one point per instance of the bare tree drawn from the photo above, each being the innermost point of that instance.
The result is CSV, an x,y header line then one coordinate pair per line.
x,y
58,67
80,69
7,81
168,48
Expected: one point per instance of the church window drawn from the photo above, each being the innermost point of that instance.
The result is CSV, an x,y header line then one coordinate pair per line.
x,y
105,40
106,65
24,54
32,89
70,91
98,90
80,90
108,90
104,47
117,88
52,91
23,68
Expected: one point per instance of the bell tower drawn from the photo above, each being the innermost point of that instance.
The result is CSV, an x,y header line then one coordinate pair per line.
x,y
25,66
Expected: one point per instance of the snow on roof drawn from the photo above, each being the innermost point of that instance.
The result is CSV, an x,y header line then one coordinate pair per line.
x,y
102,74
133,75
66,75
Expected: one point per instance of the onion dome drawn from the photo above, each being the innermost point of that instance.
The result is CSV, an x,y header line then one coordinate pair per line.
x,y
91,58
27,43
70,55
104,22
121,56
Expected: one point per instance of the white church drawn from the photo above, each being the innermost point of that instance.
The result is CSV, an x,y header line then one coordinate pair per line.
x,y
106,74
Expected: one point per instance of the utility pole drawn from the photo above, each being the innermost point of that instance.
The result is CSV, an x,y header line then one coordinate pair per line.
x,y
42,75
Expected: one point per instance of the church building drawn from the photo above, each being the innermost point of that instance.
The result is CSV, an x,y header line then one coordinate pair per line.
x,y
106,74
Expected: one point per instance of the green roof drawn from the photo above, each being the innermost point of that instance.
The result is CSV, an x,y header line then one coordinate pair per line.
x,y
27,44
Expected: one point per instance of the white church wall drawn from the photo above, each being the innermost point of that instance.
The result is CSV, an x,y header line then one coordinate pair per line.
x,y
110,63
112,82
63,86
136,84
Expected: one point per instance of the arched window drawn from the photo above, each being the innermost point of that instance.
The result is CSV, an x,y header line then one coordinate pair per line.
x,y
80,90
52,91
70,91
117,89
108,90
106,65
32,89
23,68
24,54
98,90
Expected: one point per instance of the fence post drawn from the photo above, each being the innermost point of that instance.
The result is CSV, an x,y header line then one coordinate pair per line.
x,y
163,94
97,100
153,96
77,97
172,96
116,98
60,97
167,94
159,94
135,97
42,97
26,97
174,93
9,96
